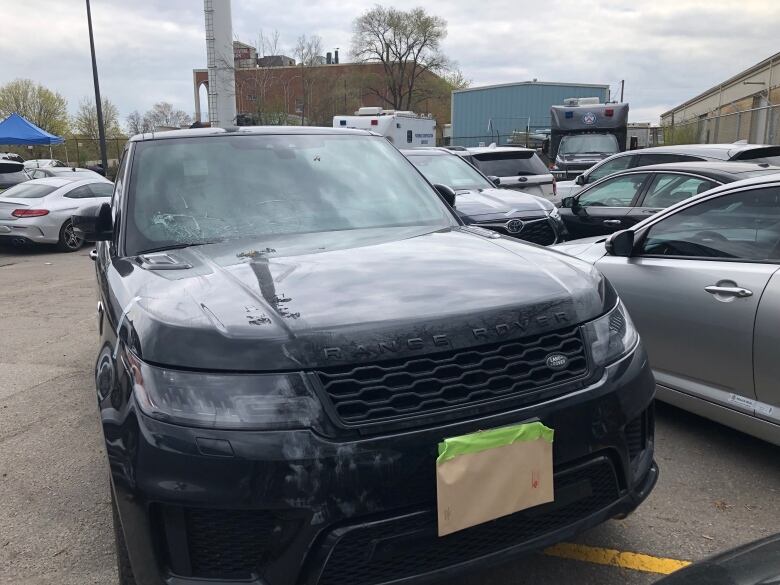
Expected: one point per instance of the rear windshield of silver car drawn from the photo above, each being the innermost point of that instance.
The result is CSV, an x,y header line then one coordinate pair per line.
x,y
28,190
511,164
208,189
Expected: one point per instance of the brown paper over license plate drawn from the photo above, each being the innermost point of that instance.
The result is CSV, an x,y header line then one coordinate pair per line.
x,y
486,475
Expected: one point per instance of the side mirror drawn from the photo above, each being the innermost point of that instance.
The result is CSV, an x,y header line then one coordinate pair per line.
x,y
447,193
495,180
94,223
620,243
580,180
568,202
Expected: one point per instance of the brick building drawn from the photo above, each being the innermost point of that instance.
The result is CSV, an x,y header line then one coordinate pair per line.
x,y
314,94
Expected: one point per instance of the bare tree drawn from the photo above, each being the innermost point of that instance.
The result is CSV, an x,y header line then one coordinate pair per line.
x,y
85,122
164,114
138,124
308,50
406,43
268,44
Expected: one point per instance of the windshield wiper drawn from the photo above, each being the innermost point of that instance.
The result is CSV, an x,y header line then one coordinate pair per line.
x,y
177,246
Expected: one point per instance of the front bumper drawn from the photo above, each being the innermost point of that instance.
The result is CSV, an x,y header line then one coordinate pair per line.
x,y
296,508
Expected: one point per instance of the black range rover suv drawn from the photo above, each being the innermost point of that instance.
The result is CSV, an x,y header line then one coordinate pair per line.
x,y
291,320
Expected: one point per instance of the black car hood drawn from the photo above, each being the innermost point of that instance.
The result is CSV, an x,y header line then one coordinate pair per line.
x,y
247,306
475,202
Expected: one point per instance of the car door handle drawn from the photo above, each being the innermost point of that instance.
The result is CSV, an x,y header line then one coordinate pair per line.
x,y
611,222
734,291
93,255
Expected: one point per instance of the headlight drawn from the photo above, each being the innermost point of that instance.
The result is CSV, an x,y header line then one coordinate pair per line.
x,y
223,401
611,336
554,213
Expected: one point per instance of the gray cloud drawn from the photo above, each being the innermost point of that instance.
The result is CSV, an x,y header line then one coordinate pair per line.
x,y
666,50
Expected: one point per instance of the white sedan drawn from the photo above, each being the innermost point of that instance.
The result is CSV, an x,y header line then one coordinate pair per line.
x,y
39,211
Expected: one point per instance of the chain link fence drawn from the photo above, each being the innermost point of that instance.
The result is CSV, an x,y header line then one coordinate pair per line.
x,y
760,125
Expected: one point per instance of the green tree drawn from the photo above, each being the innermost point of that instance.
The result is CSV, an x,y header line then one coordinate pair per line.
x,y
85,122
41,106
406,43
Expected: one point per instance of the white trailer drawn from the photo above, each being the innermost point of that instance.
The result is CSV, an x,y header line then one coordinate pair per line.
x,y
403,129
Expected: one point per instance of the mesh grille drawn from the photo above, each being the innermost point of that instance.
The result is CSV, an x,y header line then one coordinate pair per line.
x,y
228,543
635,436
407,547
537,232
401,388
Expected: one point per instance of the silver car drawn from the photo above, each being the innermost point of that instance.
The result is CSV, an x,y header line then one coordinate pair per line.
x,y
39,211
701,280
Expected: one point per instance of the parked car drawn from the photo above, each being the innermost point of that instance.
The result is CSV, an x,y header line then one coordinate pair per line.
x,y
11,173
756,153
39,211
754,563
479,202
42,163
624,199
517,168
64,172
291,320
11,156
701,281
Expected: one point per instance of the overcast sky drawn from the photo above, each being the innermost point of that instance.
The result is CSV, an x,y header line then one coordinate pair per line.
x,y
666,50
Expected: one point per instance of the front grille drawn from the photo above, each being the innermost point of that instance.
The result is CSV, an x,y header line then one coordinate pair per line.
x,y
537,231
409,546
228,544
406,387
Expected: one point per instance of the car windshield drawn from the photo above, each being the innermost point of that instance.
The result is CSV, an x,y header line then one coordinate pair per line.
x,y
511,164
28,190
450,170
10,179
589,144
197,190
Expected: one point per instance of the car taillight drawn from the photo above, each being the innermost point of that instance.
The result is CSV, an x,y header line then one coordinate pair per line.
x,y
29,212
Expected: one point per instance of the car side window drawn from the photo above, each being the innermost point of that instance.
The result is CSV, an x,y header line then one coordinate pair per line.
x,y
101,189
743,226
615,192
659,159
619,163
79,193
667,189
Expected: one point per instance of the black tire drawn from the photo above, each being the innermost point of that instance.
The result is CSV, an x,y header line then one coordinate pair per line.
x,y
69,241
123,567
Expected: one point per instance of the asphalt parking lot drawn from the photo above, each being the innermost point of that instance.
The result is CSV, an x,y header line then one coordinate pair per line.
x,y
717,489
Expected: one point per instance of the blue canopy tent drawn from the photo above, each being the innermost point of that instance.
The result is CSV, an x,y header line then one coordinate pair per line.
x,y
18,130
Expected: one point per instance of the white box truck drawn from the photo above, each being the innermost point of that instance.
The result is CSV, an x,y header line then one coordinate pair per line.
x,y
403,129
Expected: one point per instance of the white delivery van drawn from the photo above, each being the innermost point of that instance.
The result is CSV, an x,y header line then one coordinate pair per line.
x,y
403,129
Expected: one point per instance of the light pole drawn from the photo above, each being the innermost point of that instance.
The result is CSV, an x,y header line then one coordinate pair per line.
x,y
98,103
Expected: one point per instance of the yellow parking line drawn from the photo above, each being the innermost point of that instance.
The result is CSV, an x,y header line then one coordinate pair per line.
x,y
615,558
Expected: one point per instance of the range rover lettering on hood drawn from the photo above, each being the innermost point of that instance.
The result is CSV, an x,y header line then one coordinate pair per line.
x,y
441,340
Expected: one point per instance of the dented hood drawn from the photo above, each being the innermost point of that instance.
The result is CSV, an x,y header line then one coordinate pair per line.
x,y
347,297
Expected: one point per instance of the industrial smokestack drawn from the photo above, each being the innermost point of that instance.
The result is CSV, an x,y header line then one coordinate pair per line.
x,y
220,63
328,58
336,57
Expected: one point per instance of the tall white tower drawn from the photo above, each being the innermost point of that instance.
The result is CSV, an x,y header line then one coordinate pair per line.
x,y
219,55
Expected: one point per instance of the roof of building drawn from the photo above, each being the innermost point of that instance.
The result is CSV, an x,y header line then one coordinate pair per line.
x,y
515,83
746,73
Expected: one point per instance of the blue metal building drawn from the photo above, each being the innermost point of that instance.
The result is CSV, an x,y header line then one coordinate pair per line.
x,y
494,113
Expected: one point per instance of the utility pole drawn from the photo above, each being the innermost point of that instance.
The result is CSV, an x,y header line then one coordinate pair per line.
x,y
622,86
98,102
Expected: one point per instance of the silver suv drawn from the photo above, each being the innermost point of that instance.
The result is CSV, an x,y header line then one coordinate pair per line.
x,y
520,169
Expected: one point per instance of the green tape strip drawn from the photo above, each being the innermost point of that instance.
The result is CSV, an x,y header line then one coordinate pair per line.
x,y
484,440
